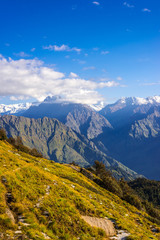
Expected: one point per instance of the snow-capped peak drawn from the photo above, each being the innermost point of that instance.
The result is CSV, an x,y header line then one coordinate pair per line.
x,y
139,100
99,106
60,99
15,108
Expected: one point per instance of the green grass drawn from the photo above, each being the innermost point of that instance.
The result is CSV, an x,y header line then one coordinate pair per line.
x,y
62,195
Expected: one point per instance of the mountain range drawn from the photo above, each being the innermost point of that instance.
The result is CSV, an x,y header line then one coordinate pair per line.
x,y
127,130
135,138
61,144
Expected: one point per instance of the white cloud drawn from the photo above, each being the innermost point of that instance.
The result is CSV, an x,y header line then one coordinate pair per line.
x,y
22,79
150,84
104,52
128,5
73,75
16,98
79,61
146,10
104,79
62,48
96,3
89,68
108,84
119,78
21,54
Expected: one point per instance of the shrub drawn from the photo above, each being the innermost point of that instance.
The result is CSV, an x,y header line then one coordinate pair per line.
x,y
35,153
133,200
3,135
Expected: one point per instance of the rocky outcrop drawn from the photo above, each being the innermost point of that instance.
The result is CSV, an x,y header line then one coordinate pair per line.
x,y
102,223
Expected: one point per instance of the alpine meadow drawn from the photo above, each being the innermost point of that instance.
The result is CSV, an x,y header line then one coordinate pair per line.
x,y
79,120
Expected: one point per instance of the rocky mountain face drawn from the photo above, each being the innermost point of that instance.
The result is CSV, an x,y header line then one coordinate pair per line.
x,y
127,110
135,139
60,143
81,118
128,130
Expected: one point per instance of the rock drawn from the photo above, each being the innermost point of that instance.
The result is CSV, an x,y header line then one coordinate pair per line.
x,y
9,197
4,180
102,223
121,235
18,232
46,213
21,219
10,215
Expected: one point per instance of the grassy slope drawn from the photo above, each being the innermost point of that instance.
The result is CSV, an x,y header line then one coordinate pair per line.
x,y
52,197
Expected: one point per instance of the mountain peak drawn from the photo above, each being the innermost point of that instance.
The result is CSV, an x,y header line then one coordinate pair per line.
x,y
139,100
54,99
60,99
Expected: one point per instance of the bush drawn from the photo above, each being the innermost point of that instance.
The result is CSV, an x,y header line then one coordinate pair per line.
x,y
133,200
153,212
35,153
3,135
112,185
108,182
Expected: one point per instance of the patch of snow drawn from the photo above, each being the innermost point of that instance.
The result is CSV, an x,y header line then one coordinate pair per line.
x,y
139,100
97,107
15,108
59,99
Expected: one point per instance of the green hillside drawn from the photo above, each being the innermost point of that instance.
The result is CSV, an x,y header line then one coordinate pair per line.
x,y
41,199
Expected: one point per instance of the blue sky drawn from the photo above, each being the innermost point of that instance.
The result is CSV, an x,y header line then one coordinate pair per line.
x,y
97,50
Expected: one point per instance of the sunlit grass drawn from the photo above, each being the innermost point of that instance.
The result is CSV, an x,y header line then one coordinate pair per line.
x,y
51,197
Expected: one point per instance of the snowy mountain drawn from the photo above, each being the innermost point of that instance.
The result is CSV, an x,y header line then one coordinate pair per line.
x,y
135,138
58,99
15,108
80,117
128,109
139,100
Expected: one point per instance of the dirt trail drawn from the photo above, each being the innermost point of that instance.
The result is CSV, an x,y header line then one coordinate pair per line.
x,y
102,223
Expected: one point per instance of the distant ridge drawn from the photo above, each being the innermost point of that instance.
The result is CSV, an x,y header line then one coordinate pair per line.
x,y
80,117
60,143
135,138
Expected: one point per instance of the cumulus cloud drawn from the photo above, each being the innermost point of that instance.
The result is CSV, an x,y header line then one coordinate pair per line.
x,y
62,48
146,10
73,75
96,3
128,5
30,78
